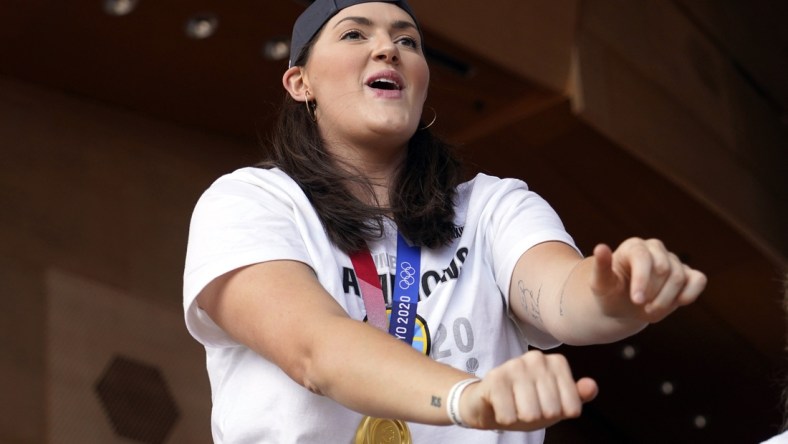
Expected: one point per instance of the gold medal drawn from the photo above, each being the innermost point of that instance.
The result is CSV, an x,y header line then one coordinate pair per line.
x,y
382,431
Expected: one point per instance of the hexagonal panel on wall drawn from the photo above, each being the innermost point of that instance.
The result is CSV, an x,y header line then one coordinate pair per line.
x,y
120,369
136,400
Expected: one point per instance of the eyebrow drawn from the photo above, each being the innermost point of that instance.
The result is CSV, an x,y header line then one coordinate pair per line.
x,y
397,24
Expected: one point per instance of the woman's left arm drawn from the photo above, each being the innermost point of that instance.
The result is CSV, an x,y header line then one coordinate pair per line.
x,y
602,298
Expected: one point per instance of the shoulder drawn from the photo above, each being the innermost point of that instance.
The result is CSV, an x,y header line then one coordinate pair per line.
x,y
782,438
484,190
253,179
506,209
254,186
483,183
251,197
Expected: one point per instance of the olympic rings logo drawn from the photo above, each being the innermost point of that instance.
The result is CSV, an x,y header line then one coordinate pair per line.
x,y
406,276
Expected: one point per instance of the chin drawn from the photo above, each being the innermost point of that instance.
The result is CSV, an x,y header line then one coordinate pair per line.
x,y
390,134
395,132
394,125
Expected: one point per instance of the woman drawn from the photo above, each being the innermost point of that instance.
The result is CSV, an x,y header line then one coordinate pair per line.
x,y
284,260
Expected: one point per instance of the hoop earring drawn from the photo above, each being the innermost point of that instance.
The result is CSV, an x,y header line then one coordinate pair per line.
x,y
309,109
434,118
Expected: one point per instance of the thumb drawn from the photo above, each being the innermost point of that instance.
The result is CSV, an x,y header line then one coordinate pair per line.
x,y
587,389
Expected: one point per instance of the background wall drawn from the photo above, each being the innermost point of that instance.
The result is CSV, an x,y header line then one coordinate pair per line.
x,y
95,196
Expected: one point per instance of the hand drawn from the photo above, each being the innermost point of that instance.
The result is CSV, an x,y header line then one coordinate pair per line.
x,y
643,280
530,392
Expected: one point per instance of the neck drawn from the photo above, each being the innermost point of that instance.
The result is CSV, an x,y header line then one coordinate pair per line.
x,y
378,166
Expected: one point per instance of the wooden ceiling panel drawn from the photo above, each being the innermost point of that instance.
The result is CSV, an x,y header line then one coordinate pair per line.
x,y
530,37
145,62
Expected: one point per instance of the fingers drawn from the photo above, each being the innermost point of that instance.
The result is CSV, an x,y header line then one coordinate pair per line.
x,y
658,281
544,400
532,392
603,277
647,268
667,283
505,408
571,402
696,283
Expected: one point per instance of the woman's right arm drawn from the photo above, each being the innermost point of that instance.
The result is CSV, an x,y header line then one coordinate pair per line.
x,y
369,371
324,350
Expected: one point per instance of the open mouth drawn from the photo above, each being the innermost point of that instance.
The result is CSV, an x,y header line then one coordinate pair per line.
x,y
386,80
385,84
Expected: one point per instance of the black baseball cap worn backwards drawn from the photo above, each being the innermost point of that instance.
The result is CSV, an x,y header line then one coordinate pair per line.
x,y
321,11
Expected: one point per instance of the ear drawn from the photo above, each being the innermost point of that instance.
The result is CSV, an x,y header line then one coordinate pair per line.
x,y
295,82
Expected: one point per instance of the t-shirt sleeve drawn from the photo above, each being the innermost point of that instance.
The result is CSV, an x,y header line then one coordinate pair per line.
x,y
519,219
243,218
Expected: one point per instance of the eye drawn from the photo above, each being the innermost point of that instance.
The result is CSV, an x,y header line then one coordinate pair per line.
x,y
409,42
351,35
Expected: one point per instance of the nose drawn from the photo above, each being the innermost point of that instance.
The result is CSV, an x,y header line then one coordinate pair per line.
x,y
386,51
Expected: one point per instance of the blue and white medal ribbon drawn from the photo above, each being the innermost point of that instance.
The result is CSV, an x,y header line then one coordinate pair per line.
x,y
405,299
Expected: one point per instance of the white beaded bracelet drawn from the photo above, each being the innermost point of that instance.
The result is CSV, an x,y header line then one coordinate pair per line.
x,y
453,401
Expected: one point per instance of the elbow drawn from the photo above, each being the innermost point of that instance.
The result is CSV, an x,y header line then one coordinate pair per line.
x,y
310,380
312,387
301,368
313,360
305,368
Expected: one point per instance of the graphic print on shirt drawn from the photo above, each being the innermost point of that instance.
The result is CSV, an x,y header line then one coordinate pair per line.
x,y
431,278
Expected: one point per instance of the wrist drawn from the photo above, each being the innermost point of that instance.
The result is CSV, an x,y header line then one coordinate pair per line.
x,y
453,401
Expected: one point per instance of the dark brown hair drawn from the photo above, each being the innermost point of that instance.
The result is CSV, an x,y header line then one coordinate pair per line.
x,y
421,199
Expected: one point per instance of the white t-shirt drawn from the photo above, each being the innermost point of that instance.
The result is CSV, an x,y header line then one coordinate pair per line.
x,y
782,438
255,215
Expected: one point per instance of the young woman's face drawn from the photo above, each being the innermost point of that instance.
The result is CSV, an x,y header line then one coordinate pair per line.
x,y
368,74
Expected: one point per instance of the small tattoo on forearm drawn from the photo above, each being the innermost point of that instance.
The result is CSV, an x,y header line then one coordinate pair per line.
x,y
535,313
529,302
436,401
523,300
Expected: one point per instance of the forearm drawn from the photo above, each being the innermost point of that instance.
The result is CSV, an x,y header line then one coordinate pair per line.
x,y
575,316
378,375
327,352
383,377
606,297
551,291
